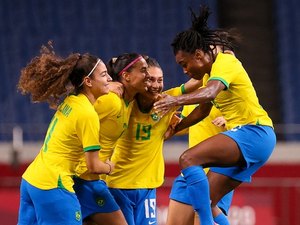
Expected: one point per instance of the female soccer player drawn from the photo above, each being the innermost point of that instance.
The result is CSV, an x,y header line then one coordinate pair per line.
x,y
180,210
138,156
250,138
98,205
47,195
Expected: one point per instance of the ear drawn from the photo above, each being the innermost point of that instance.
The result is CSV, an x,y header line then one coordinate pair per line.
x,y
126,76
199,54
88,81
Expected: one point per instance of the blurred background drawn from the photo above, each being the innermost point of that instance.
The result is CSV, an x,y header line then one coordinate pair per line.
x,y
270,52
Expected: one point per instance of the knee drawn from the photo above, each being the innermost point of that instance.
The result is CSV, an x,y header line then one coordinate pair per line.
x,y
186,160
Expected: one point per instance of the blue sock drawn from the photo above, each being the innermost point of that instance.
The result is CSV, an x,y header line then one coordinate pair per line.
x,y
198,190
221,219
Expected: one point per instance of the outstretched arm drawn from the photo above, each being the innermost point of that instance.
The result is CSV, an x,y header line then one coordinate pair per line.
x,y
199,96
191,85
198,114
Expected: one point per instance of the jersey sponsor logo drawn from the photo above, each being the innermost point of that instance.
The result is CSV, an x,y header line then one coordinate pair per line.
x,y
152,222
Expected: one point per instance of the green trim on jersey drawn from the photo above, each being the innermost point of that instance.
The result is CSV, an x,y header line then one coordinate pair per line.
x,y
220,79
92,148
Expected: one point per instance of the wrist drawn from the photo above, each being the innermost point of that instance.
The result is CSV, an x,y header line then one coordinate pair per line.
x,y
109,168
182,88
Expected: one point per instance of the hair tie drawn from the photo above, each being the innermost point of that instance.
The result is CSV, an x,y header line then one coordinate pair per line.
x,y
98,61
130,64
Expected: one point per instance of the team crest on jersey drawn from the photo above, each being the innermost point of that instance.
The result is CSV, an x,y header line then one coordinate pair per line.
x,y
78,215
100,201
154,116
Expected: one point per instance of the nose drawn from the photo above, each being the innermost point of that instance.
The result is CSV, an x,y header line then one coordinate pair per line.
x,y
184,71
155,84
109,78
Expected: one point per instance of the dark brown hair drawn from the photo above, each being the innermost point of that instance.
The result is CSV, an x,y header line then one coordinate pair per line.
x,y
49,77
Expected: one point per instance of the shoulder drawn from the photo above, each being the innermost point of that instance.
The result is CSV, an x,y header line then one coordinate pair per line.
x,y
108,103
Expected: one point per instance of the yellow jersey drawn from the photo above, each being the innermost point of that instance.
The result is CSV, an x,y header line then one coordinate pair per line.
x,y
238,103
73,130
138,156
113,115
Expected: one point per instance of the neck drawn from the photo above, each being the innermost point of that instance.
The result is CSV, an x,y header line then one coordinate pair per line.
x,y
90,97
145,104
129,93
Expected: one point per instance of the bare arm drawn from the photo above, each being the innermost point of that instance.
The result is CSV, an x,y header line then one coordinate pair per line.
x,y
95,165
198,114
191,85
199,96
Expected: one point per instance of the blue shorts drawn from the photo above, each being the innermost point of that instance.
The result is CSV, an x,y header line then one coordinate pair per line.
x,y
94,197
48,207
179,193
256,144
137,205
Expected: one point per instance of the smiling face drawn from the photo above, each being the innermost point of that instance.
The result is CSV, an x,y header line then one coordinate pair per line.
x,y
138,76
100,80
195,65
156,82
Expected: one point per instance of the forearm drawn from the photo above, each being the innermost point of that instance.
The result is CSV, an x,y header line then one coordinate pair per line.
x,y
199,96
191,85
198,114
95,165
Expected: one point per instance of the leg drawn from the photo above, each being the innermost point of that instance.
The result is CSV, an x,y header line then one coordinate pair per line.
x,y
219,150
180,214
220,185
180,210
112,218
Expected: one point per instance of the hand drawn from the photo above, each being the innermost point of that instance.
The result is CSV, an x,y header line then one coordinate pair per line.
x,y
169,133
173,122
164,105
116,87
175,119
219,121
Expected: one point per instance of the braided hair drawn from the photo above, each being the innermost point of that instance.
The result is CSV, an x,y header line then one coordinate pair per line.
x,y
200,36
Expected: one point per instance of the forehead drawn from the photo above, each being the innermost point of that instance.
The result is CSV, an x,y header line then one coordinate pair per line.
x,y
101,67
182,56
155,72
140,64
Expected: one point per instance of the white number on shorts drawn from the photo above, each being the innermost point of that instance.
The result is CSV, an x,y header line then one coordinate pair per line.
x,y
150,206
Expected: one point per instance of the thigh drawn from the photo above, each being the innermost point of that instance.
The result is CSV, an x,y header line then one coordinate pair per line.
x,y
27,213
180,214
112,218
219,150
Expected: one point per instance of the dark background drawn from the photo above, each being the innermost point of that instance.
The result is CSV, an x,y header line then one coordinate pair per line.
x,y
269,49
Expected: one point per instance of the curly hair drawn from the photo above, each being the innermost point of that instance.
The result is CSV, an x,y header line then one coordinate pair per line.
x,y
49,77
200,36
